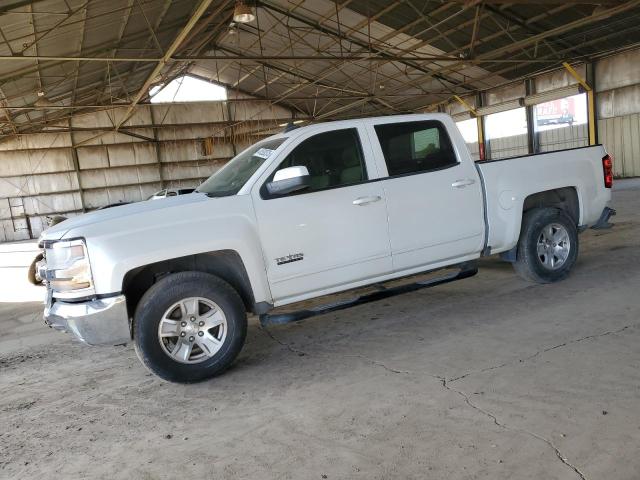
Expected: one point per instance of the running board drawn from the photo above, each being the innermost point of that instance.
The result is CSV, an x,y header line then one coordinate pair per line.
x,y
466,270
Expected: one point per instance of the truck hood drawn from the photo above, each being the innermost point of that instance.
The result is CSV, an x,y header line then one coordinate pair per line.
x,y
99,216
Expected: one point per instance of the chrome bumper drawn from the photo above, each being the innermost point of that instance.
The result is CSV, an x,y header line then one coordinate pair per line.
x,y
96,322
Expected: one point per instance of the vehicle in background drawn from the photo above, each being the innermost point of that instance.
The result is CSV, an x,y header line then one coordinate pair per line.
x,y
556,112
170,192
316,211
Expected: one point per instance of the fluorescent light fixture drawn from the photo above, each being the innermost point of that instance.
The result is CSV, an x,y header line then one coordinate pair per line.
x,y
295,122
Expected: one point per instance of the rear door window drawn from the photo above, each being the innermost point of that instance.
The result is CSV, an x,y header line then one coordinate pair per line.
x,y
415,147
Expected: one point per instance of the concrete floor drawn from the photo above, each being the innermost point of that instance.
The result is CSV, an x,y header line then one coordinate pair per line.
x,y
490,377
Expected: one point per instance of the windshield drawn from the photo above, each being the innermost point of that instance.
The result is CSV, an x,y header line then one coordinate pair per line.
x,y
231,178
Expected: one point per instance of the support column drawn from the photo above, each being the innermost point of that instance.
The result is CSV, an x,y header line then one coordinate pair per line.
x,y
591,99
232,132
156,143
532,136
482,143
474,112
76,166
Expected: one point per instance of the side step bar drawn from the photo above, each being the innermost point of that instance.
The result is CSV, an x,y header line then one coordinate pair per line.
x,y
466,270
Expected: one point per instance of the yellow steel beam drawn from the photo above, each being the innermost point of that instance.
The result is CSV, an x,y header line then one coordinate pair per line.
x,y
474,112
591,103
466,105
480,137
577,76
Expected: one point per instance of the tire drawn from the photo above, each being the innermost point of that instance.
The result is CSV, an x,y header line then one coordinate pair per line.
x,y
157,319
546,235
32,273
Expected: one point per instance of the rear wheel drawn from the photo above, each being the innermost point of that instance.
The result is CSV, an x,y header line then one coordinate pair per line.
x,y
189,326
548,246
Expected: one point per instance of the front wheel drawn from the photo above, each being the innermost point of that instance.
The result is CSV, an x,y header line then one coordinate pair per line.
x,y
32,273
548,246
189,326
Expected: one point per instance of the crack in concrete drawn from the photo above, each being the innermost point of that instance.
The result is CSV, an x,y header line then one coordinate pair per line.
x,y
301,352
504,426
540,352
379,364
446,384
280,342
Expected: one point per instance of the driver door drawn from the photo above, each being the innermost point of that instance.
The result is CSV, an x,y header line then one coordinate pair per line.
x,y
332,233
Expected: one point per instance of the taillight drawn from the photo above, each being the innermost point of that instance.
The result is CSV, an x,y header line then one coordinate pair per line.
x,y
607,170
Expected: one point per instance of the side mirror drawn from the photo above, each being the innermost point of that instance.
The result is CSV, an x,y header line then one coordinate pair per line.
x,y
290,179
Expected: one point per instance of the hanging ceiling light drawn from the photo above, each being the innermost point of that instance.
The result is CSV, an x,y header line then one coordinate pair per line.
x,y
243,13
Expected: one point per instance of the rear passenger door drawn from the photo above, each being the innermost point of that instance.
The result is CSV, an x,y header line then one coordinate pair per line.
x,y
434,200
331,234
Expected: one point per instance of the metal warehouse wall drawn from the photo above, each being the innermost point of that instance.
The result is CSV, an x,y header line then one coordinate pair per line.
x,y
82,167
621,137
617,80
549,140
618,108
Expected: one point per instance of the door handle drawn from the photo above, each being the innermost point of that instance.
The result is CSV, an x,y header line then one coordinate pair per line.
x,y
463,183
366,200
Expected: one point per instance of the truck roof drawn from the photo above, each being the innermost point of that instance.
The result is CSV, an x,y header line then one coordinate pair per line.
x,y
336,124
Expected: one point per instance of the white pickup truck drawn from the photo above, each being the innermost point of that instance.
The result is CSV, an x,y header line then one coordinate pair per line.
x,y
307,213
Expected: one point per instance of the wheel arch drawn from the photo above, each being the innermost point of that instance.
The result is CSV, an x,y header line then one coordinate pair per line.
x,y
562,198
565,198
224,264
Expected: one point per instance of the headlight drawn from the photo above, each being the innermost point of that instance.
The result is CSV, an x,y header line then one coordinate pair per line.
x,y
68,269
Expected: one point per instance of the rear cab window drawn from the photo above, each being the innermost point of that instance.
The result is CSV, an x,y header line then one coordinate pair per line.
x,y
415,147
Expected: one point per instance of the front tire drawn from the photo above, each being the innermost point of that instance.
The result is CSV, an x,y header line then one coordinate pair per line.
x,y
548,246
32,272
189,326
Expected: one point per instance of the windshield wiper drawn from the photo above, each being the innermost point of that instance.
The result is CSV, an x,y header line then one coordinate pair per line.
x,y
226,193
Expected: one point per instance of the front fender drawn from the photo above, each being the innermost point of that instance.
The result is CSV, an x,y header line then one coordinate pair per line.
x,y
120,245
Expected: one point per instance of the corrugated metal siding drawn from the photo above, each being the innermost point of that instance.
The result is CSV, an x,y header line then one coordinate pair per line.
x,y
565,137
474,151
38,175
508,146
621,137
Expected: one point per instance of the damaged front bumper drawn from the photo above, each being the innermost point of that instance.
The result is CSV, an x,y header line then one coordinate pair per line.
x,y
101,321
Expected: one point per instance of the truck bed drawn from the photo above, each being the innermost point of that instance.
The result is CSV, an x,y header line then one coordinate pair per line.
x,y
509,181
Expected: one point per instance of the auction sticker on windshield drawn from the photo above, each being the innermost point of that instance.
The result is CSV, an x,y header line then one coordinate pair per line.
x,y
263,153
